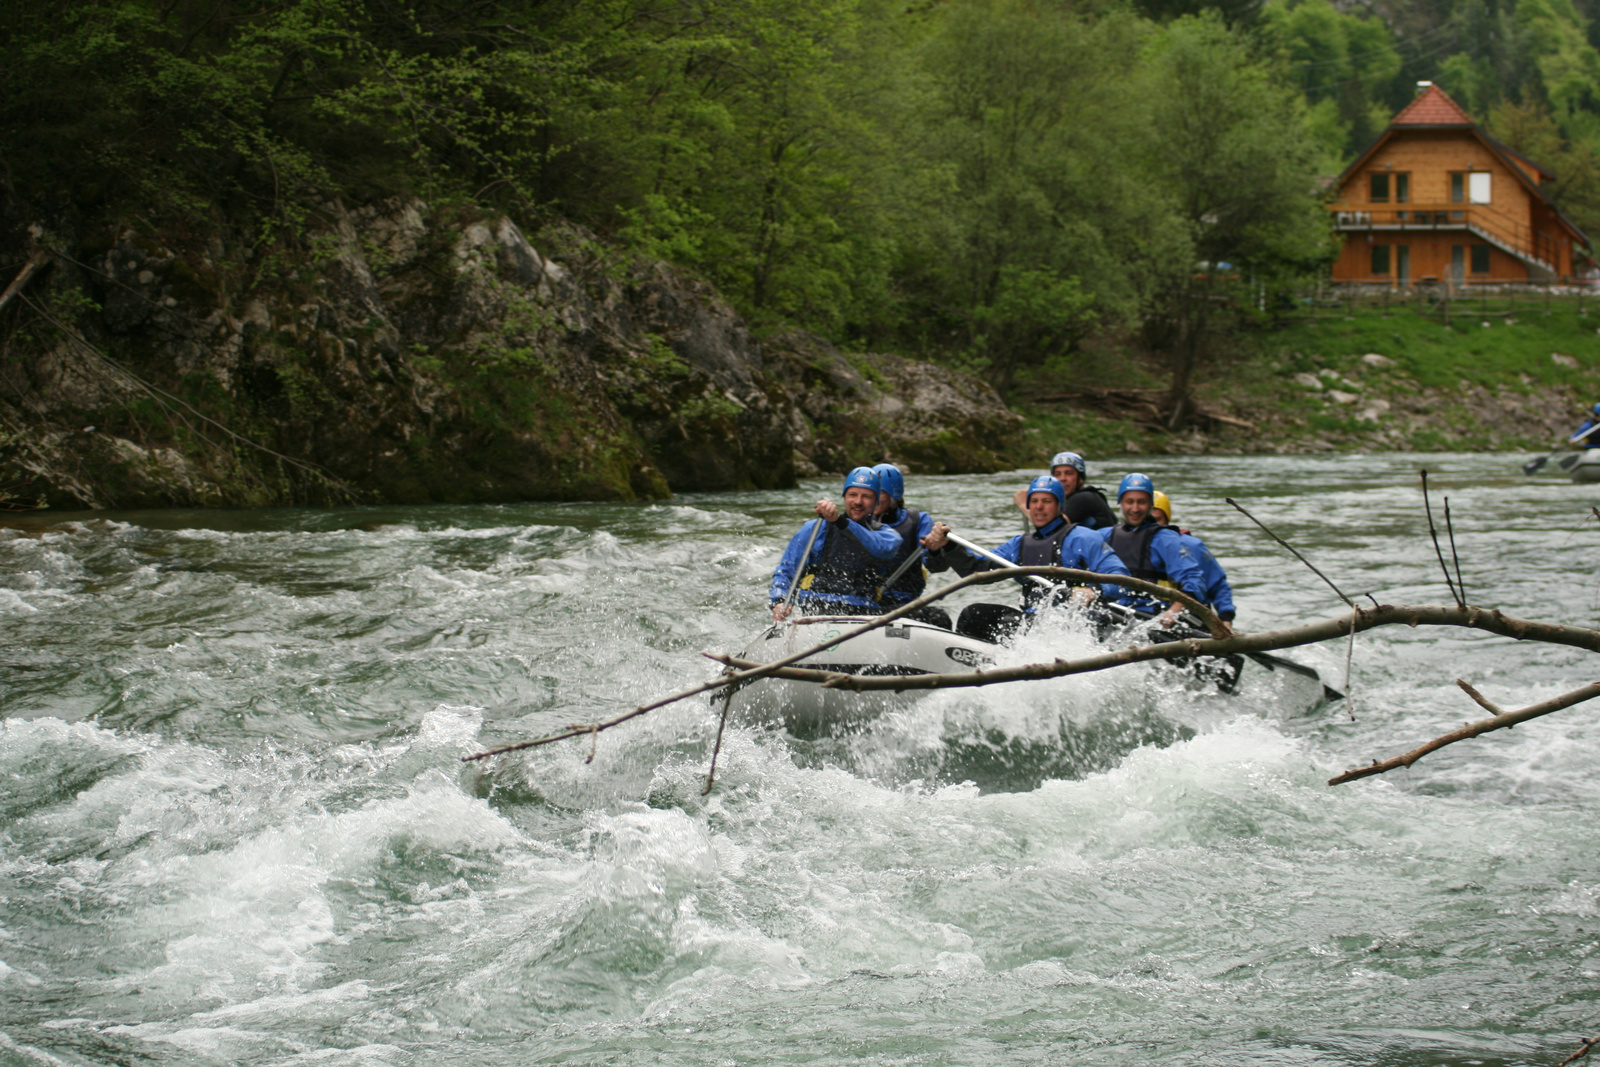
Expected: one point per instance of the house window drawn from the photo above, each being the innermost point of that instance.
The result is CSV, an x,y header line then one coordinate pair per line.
x,y
1402,262
1380,259
1458,188
1478,187
1480,259
1402,188
1379,193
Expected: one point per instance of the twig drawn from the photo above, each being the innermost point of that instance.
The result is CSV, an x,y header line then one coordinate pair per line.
x,y
1434,533
1240,509
1588,1046
1349,658
1454,558
36,259
1501,721
1483,702
716,749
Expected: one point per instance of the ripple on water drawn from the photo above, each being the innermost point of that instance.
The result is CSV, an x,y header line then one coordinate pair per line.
x,y
236,827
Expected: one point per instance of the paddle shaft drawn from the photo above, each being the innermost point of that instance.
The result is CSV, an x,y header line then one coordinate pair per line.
x,y
962,542
801,565
915,557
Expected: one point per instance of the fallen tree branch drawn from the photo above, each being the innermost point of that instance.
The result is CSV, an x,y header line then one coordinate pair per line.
x,y
1588,1047
1493,622
1504,720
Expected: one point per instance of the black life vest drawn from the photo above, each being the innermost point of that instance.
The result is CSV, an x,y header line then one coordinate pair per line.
x,y
845,569
1133,548
913,581
1033,551
1089,507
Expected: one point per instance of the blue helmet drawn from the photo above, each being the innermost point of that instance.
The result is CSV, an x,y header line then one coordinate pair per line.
x,y
890,480
1069,459
1046,484
1597,409
861,478
1136,483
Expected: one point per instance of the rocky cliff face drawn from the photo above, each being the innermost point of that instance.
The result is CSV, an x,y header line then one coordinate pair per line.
x,y
401,354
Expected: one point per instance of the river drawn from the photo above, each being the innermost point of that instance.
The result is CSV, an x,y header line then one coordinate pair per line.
x,y
236,827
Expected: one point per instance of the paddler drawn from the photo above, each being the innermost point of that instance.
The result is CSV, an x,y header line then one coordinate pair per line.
x,y
845,565
909,576
1219,594
1151,551
1055,542
1086,504
1585,435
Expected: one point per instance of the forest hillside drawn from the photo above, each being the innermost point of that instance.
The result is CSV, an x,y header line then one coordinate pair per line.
x,y
1025,192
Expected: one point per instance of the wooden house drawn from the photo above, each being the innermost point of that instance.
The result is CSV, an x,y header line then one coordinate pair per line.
x,y
1435,199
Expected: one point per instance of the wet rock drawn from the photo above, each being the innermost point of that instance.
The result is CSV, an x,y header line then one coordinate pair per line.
x,y
1308,381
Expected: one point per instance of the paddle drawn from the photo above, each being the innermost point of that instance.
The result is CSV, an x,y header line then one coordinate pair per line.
x,y
905,565
800,567
1535,464
1266,659
962,542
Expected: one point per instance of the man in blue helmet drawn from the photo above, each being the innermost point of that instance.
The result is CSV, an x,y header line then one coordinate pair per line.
x,y
1086,504
1055,541
842,573
914,527
1219,594
1585,434
1152,551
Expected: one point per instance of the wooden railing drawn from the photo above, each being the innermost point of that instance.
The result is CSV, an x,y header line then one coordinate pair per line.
x,y
1515,237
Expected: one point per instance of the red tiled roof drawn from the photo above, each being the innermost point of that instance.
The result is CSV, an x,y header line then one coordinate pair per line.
x,y
1432,107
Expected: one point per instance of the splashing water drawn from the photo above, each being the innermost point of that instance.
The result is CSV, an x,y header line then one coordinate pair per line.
x,y
237,828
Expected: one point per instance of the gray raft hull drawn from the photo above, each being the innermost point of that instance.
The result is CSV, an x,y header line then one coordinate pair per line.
x,y
807,710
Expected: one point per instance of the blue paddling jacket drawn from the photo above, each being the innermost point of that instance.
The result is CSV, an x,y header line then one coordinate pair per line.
x,y
1055,544
846,563
1219,594
1155,553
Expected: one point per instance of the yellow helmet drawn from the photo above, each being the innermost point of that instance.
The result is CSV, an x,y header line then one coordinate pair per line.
x,y
1159,499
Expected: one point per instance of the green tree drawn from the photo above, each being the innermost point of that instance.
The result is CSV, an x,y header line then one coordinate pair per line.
x,y
1009,114
1223,151
1343,64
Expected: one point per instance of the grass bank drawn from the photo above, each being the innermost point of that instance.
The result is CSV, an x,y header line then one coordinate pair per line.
x,y
1487,374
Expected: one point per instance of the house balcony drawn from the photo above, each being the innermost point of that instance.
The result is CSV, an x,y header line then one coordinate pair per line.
x,y
1505,233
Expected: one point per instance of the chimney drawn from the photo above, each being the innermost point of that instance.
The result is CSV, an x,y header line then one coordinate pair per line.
x,y
1423,87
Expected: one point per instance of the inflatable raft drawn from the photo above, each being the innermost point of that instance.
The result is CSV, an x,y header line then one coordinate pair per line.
x,y
1582,466
903,648
908,648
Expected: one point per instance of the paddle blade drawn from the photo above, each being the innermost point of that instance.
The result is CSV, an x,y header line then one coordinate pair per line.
x,y
1534,464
